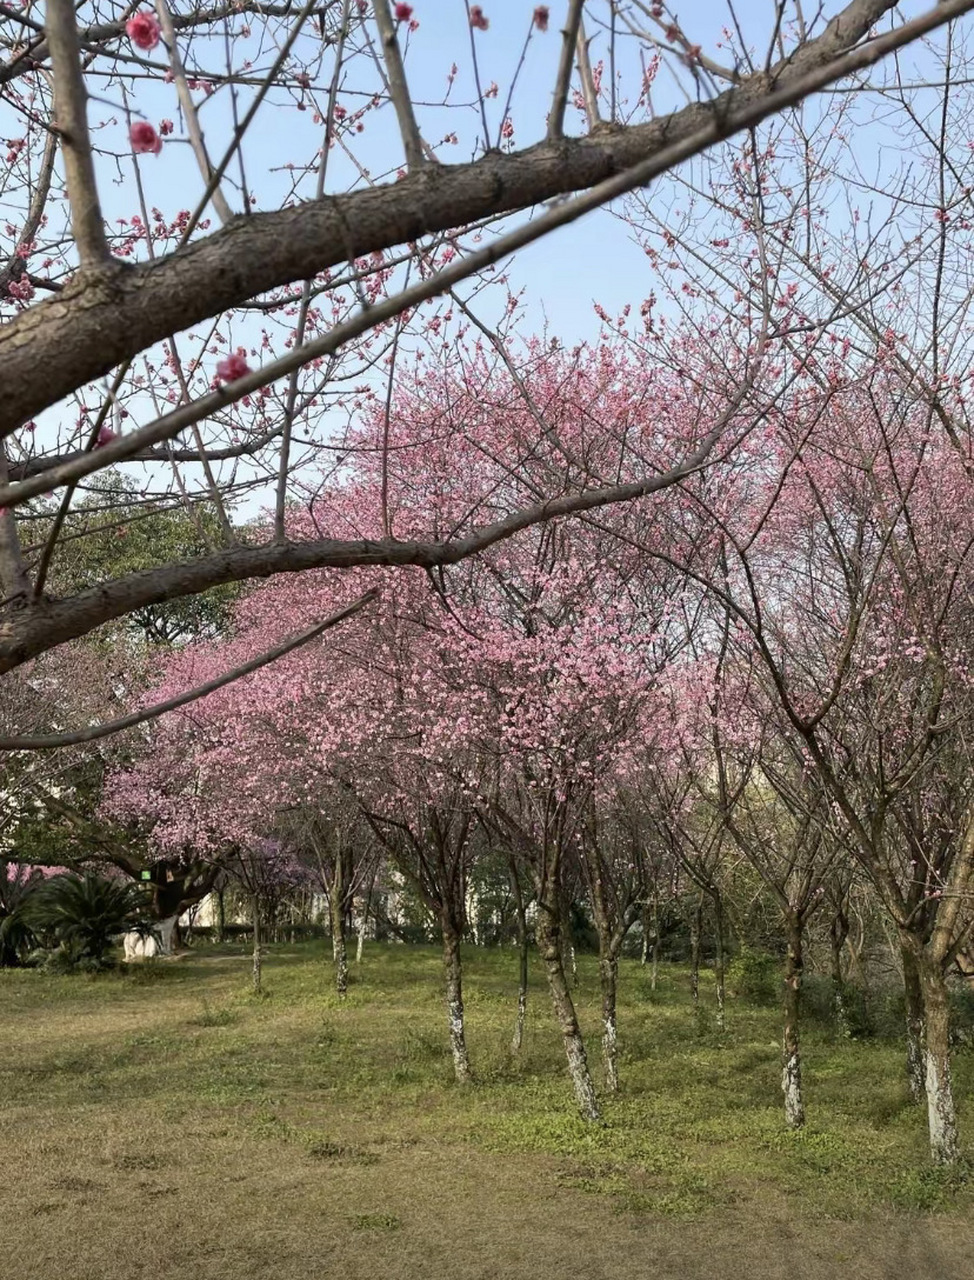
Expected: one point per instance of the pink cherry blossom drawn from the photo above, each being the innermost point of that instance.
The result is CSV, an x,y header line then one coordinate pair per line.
x,y
233,367
143,30
144,138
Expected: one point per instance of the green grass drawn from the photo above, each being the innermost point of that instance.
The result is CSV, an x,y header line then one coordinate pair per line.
x,y
164,1077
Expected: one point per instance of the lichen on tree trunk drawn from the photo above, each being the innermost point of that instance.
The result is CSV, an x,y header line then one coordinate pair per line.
x,y
719,967
258,947
339,948
549,945
657,946
791,1059
522,968
913,993
608,980
695,925
838,932
941,1111
454,1003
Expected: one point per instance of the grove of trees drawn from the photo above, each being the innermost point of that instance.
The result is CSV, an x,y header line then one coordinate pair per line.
x,y
324,559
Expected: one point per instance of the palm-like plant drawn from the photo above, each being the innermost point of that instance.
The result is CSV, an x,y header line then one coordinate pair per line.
x,y
81,915
17,939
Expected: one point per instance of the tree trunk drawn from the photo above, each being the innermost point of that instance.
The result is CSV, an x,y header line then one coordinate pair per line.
x,y
522,955
549,945
454,1002
221,917
644,949
608,980
258,948
838,932
719,975
338,945
654,973
567,940
941,1114
791,1058
914,1026
695,923
360,944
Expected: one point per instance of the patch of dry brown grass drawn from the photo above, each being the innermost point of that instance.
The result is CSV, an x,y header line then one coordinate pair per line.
x,y
147,1134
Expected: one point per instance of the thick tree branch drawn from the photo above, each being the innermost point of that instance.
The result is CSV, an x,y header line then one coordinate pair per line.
x,y
569,40
64,342
29,631
13,574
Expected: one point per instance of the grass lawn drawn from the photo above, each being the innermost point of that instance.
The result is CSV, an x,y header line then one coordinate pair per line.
x,y
163,1123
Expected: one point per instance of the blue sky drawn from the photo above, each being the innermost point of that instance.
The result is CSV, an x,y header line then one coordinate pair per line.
x,y
563,276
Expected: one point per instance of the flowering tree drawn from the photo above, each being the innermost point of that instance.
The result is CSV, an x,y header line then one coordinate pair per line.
x,y
846,581
330,843
221,345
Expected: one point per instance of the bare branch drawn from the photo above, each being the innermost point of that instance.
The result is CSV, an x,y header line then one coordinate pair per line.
x,y
588,79
398,87
17,265
223,210
569,40
48,623
50,742
70,105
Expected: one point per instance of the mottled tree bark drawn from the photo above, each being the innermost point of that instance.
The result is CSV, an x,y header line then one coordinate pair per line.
x,y
608,981
838,932
719,962
522,954
339,948
941,1112
568,960
454,1001
258,946
654,972
914,1025
696,921
549,945
791,1059
221,917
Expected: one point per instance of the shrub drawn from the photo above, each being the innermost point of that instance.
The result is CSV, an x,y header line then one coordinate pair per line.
x,y
78,917
17,939
755,976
